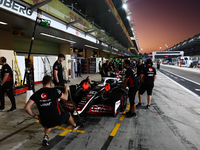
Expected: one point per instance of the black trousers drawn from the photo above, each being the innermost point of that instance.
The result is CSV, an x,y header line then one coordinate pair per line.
x,y
131,94
7,87
79,72
61,83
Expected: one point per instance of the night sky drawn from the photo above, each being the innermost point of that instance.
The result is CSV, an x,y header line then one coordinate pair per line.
x,y
160,22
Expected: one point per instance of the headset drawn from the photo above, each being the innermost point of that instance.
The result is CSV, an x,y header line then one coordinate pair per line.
x,y
3,59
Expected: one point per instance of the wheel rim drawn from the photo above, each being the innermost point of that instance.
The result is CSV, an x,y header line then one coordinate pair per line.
x,y
124,101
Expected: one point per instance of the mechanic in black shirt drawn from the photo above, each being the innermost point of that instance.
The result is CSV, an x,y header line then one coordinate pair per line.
x,y
78,68
139,67
47,101
131,81
148,76
120,65
106,68
6,85
57,71
158,65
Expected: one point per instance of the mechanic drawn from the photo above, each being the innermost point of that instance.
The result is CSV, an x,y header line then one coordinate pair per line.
x,y
106,68
148,76
113,64
120,65
132,82
139,67
6,85
158,65
78,68
87,80
47,103
57,71
100,67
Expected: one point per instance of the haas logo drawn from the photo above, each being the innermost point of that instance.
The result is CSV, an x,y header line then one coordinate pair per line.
x,y
150,69
44,96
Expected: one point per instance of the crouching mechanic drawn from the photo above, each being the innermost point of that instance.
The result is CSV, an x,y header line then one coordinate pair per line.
x,y
131,81
47,103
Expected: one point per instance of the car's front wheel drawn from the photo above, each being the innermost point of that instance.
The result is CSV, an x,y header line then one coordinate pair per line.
x,y
123,101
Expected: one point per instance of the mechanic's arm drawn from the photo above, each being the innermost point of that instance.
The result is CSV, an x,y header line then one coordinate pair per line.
x,y
55,72
124,83
104,72
154,77
111,68
5,77
64,96
27,108
141,77
136,69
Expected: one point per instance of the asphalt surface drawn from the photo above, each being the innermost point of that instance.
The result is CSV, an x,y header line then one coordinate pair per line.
x,y
184,72
171,123
183,80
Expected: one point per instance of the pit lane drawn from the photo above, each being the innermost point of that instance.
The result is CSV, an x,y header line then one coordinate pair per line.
x,y
172,122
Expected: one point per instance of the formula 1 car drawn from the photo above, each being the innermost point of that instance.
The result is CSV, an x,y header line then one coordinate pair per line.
x,y
103,97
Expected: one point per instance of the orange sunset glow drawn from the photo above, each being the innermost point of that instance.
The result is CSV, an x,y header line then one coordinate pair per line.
x,y
161,22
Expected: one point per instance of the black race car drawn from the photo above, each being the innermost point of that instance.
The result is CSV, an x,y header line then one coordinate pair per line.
x,y
103,97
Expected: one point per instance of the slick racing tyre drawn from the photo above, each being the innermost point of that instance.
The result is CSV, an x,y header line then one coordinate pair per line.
x,y
103,96
78,91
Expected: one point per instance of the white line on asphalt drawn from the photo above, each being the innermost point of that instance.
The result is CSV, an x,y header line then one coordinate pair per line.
x,y
183,87
183,77
20,144
197,89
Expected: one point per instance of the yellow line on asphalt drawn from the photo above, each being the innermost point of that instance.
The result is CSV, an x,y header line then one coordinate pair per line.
x,y
128,107
114,131
122,116
66,130
124,113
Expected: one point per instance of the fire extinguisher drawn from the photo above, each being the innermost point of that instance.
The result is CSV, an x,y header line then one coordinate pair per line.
x,y
69,71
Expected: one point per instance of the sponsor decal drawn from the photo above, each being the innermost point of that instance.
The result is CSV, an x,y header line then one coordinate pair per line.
x,y
117,104
44,96
59,91
15,6
150,69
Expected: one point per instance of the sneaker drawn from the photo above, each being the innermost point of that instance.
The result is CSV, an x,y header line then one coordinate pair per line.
x,y
139,104
2,109
131,114
148,106
128,113
78,124
46,140
134,115
12,110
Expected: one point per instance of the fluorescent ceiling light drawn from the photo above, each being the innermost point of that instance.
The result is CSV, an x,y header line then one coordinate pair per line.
x,y
3,23
124,6
106,51
114,53
91,46
115,49
55,37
